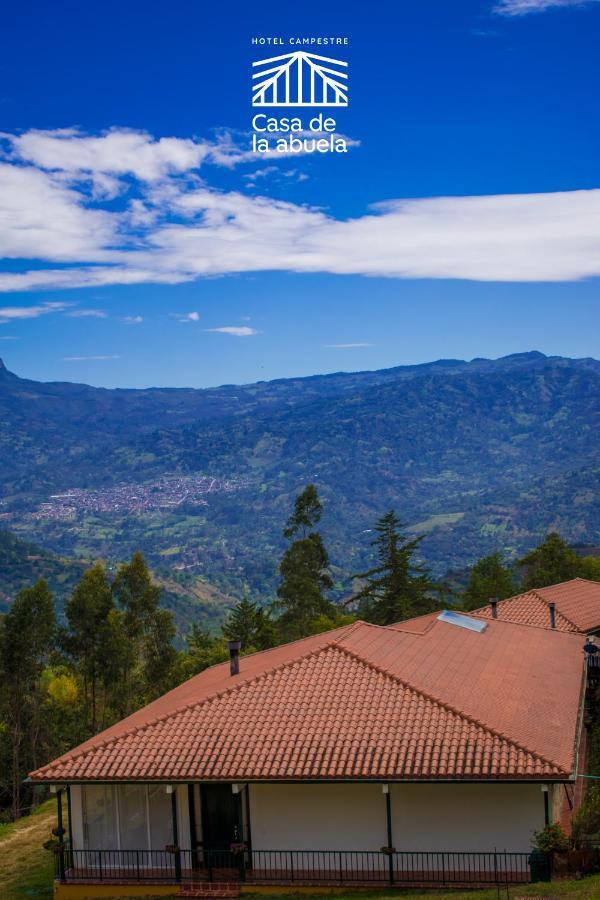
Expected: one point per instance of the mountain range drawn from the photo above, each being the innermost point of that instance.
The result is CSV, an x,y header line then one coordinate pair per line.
x,y
478,456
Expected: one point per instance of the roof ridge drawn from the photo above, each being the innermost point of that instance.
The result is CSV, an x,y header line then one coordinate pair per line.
x,y
448,706
479,614
187,706
536,591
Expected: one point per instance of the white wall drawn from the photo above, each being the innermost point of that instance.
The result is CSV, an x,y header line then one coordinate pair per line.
x,y
424,816
317,816
466,816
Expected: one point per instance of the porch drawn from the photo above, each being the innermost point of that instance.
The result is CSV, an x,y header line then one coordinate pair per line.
x,y
353,834
222,872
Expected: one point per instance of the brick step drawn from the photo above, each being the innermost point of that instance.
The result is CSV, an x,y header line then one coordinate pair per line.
x,y
210,890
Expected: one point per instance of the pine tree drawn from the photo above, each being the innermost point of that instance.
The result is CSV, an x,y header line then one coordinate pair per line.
x,y
396,588
303,569
550,563
250,625
27,639
488,578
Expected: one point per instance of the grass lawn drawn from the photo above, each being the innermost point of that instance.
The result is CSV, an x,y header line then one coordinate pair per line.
x,y
26,869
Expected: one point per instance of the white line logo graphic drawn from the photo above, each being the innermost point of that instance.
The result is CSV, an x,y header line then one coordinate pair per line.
x,y
300,79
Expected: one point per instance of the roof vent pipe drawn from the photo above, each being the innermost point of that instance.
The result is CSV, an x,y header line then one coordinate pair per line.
x,y
234,656
552,608
494,605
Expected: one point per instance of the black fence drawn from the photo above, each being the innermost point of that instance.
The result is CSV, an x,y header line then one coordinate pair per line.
x,y
309,867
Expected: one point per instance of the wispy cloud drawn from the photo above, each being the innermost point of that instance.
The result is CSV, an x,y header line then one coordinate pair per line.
x,y
186,317
10,313
525,7
9,337
133,320
89,358
235,330
192,230
355,346
87,314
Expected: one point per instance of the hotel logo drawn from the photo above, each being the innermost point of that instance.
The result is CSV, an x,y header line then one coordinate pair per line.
x,y
300,79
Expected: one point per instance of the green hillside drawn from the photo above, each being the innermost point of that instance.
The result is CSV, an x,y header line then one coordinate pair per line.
x,y
478,456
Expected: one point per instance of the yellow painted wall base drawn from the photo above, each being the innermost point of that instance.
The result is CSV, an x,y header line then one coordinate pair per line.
x,y
106,891
315,890
113,891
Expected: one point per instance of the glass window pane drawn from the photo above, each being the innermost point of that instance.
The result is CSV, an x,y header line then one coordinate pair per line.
x,y
133,822
161,829
99,817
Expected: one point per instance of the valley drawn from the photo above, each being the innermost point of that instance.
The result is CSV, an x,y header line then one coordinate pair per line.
x,y
478,456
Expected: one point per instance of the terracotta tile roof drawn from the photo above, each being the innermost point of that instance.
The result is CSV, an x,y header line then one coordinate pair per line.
x,y
520,681
577,606
359,702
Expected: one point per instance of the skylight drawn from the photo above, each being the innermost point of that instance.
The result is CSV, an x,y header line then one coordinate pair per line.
x,y
454,618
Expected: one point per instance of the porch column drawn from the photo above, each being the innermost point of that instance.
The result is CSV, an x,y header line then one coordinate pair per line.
x,y
172,789
59,831
545,791
388,814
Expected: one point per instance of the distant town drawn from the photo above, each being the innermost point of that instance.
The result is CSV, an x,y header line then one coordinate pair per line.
x,y
164,493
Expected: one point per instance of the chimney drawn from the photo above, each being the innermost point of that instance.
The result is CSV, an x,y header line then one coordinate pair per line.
x,y
552,608
494,605
234,656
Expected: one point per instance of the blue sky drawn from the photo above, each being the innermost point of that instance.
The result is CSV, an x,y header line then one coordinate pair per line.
x,y
135,225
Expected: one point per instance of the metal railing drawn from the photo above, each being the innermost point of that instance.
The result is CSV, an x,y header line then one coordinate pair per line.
x,y
335,867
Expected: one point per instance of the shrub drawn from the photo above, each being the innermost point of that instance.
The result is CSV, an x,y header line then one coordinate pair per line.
x,y
586,820
551,838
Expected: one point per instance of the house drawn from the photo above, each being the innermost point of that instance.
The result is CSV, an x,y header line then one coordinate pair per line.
x,y
570,606
424,752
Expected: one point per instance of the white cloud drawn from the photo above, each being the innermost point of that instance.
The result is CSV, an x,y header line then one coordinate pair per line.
x,y
235,330
179,229
9,337
88,358
524,7
42,218
87,314
9,313
118,152
354,346
133,320
186,317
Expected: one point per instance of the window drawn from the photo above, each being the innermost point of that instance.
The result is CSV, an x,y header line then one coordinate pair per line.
x,y
159,814
454,618
99,817
126,817
133,816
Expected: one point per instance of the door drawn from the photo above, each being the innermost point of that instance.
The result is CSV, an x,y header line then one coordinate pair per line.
x,y
221,818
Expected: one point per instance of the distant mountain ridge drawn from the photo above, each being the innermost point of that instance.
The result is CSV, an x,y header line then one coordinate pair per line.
x,y
488,453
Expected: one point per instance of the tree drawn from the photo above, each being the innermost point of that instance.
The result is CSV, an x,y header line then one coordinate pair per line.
x,y
307,512
251,625
149,632
550,563
303,569
88,642
396,588
204,650
26,642
488,578
136,595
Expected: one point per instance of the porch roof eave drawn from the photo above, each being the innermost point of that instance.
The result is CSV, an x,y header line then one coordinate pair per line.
x,y
557,778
